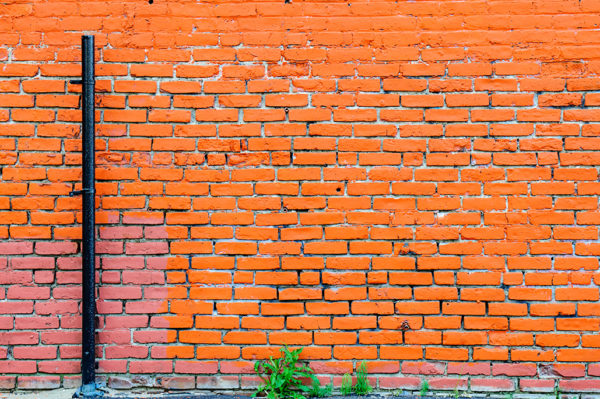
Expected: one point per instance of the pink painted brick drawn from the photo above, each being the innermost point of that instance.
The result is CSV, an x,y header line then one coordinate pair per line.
x,y
16,307
470,368
126,352
114,337
109,247
143,277
70,352
150,366
67,292
112,366
111,277
44,276
55,248
35,323
594,369
108,307
6,322
133,218
155,292
121,292
399,382
331,367
536,385
74,322
449,383
123,262
126,322
61,337
60,366
579,385
16,248
147,307
66,263
17,366
146,248
38,382
122,232
569,370
515,369
15,277
34,352
19,338
423,368
32,263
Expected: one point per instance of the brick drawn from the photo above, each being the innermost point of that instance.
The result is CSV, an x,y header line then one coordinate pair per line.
x,y
33,382
536,385
578,386
491,385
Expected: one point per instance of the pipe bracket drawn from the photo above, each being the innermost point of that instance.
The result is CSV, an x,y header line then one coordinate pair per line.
x,y
82,191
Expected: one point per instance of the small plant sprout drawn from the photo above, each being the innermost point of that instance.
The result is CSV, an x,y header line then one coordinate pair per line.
x,y
317,391
557,393
424,388
346,387
362,386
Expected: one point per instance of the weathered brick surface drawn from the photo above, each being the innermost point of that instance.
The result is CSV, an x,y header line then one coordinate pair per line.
x,y
414,184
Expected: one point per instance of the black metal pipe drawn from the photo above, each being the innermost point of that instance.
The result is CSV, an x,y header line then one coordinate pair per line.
x,y
88,251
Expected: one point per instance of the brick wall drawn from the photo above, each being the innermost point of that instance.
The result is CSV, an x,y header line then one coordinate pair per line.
x,y
411,183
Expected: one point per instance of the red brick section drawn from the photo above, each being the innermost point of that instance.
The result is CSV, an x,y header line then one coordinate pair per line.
x,y
414,184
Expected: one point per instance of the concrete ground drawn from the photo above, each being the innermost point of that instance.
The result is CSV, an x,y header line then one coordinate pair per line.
x,y
52,394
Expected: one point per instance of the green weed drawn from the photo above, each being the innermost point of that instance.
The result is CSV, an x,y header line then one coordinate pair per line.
x,y
362,386
317,391
282,377
346,387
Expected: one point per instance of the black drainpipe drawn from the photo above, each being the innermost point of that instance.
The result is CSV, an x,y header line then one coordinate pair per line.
x,y
88,250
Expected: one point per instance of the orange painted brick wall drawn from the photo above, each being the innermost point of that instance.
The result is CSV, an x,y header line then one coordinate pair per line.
x,y
410,183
